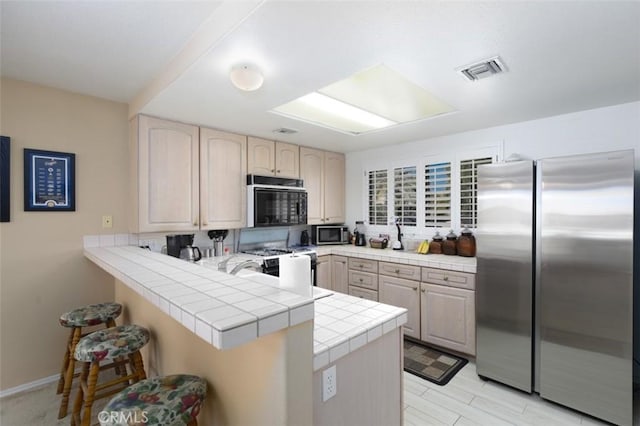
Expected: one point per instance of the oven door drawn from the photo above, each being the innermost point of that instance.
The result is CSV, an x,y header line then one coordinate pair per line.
x,y
276,206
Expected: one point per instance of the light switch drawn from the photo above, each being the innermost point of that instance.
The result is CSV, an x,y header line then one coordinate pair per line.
x,y
107,221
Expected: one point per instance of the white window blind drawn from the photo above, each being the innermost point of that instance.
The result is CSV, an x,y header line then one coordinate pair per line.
x,y
437,195
378,197
469,190
404,195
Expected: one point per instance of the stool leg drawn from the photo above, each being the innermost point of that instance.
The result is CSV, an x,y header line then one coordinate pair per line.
x,y
193,422
92,380
71,366
65,364
137,365
77,405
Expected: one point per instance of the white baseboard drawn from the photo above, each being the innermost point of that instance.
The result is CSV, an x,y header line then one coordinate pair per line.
x,y
29,386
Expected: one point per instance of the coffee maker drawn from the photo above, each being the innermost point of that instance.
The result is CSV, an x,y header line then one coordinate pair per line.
x,y
175,243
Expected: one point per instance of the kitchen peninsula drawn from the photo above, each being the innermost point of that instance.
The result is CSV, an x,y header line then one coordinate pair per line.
x,y
256,345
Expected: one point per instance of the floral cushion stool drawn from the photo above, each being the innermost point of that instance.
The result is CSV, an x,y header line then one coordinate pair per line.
x,y
163,401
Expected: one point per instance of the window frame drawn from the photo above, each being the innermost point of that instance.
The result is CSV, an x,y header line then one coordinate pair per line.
x,y
420,230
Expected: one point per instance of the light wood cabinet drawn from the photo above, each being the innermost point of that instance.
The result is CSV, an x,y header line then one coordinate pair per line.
x,y
165,175
364,265
448,317
323,174
363,278
340,270
363,293
269,158
399,270
449,278
223,171
334,188
403,293
323,272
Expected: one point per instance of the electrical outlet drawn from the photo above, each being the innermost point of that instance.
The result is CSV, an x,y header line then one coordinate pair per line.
x,y
107,221
329,384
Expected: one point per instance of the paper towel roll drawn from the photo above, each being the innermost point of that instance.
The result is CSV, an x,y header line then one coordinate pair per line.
x,y
295,274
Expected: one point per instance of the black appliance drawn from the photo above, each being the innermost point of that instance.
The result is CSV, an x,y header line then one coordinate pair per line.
x,y
273,201
304,238
175,243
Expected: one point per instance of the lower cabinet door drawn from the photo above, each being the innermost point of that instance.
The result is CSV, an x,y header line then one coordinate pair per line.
x,y
323,271
403,293
448,317
340,271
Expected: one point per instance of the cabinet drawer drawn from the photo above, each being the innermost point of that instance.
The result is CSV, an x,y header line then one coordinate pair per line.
x,y
449,278
399,271
364,265
363,279
363,293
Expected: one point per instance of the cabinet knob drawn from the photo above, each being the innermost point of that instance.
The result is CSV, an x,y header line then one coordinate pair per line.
x,y
423,290
278,171
415,288
361,265
360,279
446,278
273,170
397,271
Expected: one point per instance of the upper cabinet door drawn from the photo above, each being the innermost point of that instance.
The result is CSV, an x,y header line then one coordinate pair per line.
x,y
223,185
167,176
334,198
287,160
261,157
312,174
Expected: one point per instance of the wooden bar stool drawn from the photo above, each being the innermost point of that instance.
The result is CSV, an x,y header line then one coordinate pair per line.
x,y
85,316
161,401
120,345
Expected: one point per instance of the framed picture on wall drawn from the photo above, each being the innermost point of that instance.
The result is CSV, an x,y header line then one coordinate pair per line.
x,y
49,181
5,178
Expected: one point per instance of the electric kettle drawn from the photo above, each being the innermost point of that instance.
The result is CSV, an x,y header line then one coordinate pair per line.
x,y
192,254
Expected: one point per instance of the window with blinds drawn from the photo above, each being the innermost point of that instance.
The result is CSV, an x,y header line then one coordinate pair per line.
x,y
404,195
378,197
437,195
469,190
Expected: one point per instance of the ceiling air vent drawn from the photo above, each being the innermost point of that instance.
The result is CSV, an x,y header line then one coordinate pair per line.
x,y
483,69
285,131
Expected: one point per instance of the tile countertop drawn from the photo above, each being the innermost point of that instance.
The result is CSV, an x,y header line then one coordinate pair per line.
x,y
227,310
440,261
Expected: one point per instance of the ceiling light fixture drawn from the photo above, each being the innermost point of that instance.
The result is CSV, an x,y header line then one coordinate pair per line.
x,y
370,100
336,107
246,77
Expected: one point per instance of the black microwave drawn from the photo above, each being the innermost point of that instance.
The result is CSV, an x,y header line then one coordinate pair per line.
x,y
330,234
273,201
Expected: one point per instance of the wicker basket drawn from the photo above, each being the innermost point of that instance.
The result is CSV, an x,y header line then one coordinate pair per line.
x,y
377,243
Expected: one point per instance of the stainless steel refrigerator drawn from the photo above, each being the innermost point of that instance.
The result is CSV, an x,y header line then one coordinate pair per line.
x,y
554,284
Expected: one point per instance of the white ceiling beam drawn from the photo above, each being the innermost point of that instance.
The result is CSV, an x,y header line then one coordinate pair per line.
x,y
222,22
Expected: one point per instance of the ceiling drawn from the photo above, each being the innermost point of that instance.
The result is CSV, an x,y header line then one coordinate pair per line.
x,y
171,59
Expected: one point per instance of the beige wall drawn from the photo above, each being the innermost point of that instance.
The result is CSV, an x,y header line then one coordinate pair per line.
x,y
42,270
263,382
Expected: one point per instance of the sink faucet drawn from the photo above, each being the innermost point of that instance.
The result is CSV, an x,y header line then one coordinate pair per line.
x,y
222,266
245,264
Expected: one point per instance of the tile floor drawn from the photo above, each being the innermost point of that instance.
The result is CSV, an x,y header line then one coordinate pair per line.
x,y
465,400
468,400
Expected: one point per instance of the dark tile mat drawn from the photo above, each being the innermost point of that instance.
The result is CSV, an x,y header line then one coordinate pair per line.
x,y
430,363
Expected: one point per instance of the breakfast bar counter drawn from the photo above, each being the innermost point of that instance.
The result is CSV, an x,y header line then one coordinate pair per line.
x,y
257,345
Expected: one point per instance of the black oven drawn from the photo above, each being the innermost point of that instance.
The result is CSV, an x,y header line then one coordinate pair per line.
x,y
275,201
